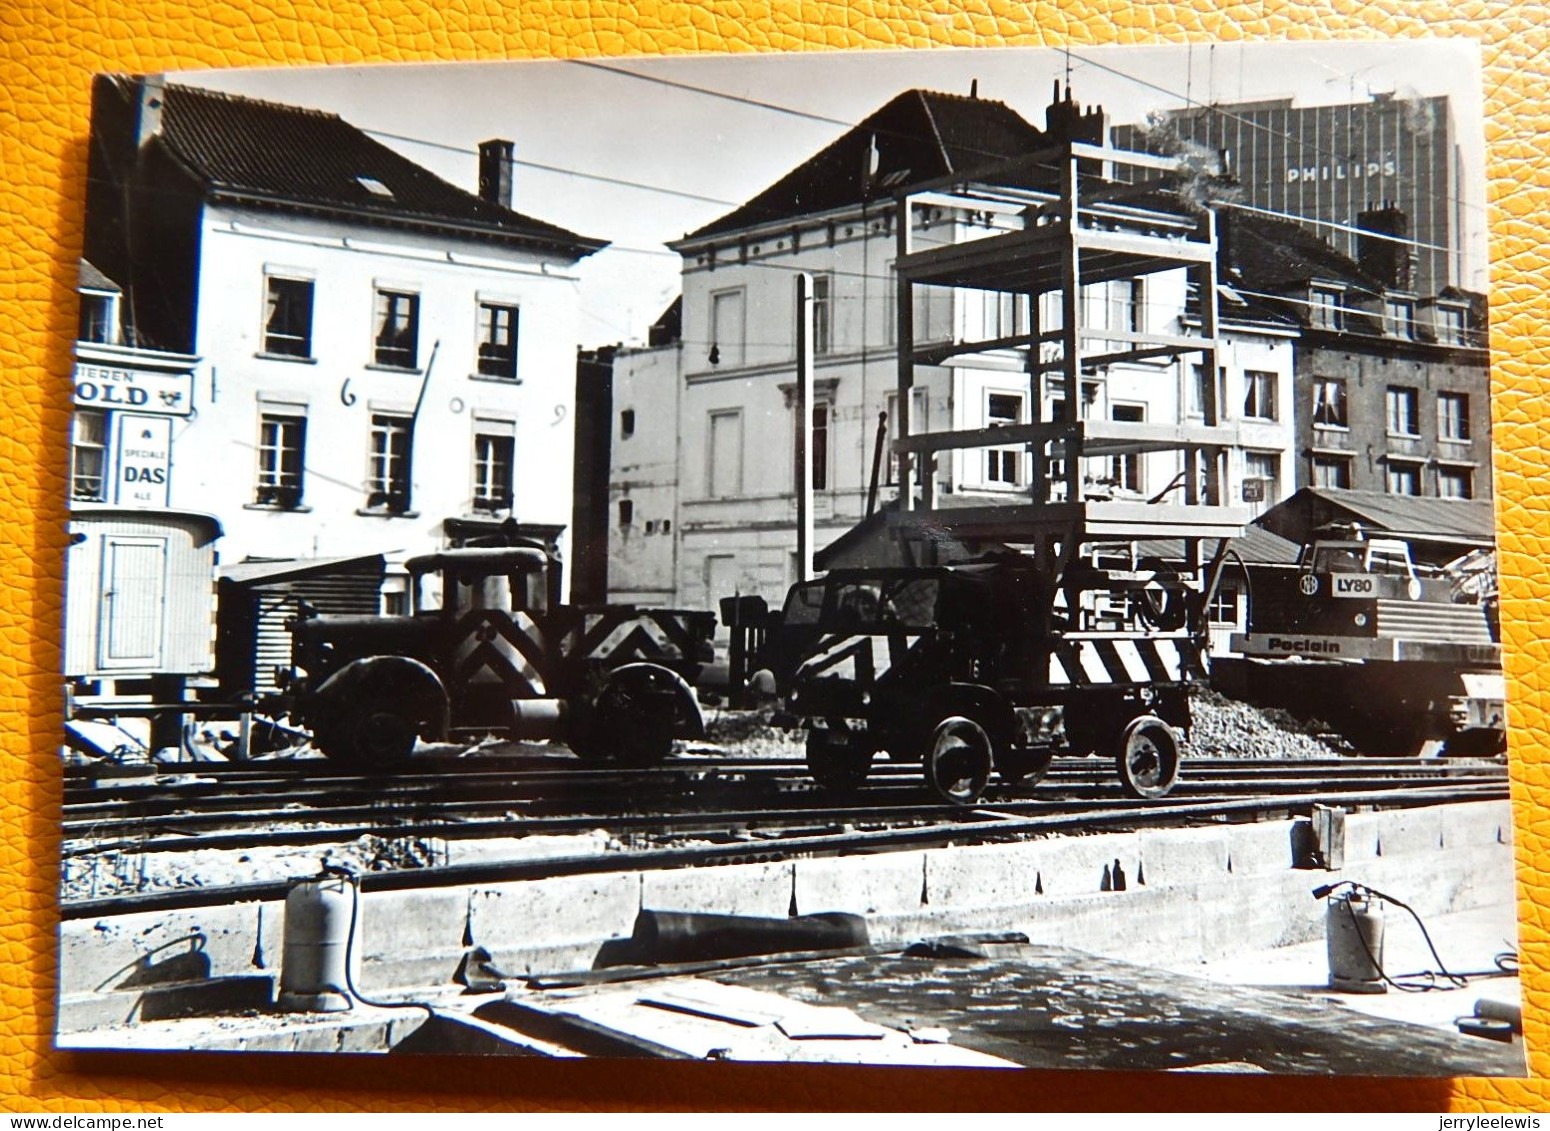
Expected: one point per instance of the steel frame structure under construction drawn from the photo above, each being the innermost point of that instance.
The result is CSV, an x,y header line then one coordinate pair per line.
x,y
1060,240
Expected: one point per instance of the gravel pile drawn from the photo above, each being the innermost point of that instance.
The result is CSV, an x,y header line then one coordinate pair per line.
x,y
1226,728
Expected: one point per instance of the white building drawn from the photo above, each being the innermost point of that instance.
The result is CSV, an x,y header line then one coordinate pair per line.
x,y
387,360
703,456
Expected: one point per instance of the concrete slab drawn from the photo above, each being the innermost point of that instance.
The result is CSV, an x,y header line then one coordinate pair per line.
x,y
555,924
738,889
888,883
1467,941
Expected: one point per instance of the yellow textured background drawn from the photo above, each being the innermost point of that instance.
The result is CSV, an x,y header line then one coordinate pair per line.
x,y
49,50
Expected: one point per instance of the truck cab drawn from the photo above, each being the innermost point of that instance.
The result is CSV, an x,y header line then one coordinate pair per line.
x,y
979,669
488,649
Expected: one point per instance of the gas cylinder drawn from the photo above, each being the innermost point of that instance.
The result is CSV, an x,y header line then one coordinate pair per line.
x,y
320,914
1353,929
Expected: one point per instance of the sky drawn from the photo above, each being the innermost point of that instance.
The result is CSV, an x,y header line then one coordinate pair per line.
x,y
642,150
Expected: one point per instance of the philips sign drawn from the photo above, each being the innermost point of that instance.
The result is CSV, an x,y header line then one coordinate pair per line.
x,y
1353,172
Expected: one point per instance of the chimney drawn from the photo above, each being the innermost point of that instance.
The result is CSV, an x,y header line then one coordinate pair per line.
x,y
152,91
1390,261
496,161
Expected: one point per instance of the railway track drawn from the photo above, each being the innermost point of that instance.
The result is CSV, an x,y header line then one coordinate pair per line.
x,y
248,807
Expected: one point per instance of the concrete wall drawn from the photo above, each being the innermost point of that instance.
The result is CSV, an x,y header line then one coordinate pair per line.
x,y
1187,893
643,470
338,388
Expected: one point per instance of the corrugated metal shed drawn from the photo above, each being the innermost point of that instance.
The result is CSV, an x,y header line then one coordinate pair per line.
x,y
257,598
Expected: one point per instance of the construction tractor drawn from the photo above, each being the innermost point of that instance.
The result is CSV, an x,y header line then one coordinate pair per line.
x,y
986,668
490,650
1399,657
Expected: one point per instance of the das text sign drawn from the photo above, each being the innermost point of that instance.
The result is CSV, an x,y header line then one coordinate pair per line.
x,y
144,461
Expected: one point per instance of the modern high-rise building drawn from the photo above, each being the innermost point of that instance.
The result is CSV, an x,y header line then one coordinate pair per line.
x,y
1330,165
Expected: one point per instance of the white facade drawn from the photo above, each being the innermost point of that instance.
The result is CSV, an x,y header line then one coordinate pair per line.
x,y
309,428
734,524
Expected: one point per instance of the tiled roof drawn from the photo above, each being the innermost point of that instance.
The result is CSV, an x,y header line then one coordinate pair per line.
x,y
264,152
1417,518
1272,254
919,135
1257,546
89,278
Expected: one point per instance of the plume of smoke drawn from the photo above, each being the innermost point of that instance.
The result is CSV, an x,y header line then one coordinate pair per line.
x,y
1201,183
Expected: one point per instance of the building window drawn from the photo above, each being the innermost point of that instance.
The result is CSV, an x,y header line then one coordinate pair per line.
x,y
1399,318
288,317
1004,465
725,466
1453,417
820,450
920,421
497,341
388,469
1332,471
1404,417
1195,394
398,329
1403,478
282,442
1450,326
89,456
726,328
1127,305
1324,308
98,318
822,313
1126,469
1455,483
1224,606
627,514
1260,474
493,457
891,305
1259,395
1329,403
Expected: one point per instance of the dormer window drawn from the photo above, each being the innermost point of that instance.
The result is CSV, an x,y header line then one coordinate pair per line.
x,y
99,317
1450,326
1399,318
1324,308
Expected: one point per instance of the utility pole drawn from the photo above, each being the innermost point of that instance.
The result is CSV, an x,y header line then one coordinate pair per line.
x,y
804,426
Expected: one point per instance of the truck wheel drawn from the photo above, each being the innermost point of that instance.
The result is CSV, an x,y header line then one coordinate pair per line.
x,y
368,736
1148,760
837,762
633,721
959,760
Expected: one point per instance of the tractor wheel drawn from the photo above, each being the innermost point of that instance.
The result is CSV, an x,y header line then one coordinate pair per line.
x,y
1148,759
837,762
632,721
959,760
368,736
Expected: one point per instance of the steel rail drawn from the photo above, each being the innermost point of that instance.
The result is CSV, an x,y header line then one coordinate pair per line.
x,y
133,821
822,844
679,824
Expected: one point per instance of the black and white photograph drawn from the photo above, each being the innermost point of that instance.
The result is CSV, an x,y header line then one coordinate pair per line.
x,y
952,558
